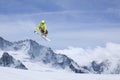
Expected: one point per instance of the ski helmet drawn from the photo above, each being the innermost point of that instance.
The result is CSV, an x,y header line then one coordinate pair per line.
x,y
43,21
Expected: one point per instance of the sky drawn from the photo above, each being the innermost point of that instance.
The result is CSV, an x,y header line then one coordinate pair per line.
x,y
77,23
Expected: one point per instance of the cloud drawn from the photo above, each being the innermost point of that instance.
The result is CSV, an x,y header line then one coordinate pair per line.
x,y
15,28
86,37
84,56
87,5
27,6
114,11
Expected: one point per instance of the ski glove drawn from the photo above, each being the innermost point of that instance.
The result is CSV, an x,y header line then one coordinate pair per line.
x,y
34,31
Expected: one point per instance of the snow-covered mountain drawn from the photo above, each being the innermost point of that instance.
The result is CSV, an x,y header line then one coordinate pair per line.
x,y
106,66
29,51
8,61
38,57
4,44
96,60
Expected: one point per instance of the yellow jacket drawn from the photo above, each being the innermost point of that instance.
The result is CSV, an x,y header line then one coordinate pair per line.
x,y
41,26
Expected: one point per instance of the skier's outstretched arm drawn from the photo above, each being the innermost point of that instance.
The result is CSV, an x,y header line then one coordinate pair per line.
x,y
37,28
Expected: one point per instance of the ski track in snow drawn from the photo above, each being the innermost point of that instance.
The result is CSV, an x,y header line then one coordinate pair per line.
x,y
16,74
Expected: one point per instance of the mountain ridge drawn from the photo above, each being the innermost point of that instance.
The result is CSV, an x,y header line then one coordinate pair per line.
x,y
30,51
42,54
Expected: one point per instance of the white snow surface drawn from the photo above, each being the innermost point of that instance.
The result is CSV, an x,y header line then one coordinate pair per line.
x,y
18,74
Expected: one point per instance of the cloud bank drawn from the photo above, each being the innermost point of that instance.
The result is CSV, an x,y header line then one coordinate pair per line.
x,y
82,56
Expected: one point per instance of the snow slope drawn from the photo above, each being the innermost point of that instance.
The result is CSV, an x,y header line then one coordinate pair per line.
x,y
17,74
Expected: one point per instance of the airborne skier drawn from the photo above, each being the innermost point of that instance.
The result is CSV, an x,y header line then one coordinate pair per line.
x,y
41,28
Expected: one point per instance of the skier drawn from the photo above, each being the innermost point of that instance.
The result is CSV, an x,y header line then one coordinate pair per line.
x,y
42,28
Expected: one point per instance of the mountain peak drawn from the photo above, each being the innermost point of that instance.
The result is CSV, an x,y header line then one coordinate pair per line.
x,y
42,54
1,38
8,61
4,43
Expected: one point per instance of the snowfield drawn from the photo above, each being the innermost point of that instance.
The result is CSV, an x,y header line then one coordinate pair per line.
x,y
18,74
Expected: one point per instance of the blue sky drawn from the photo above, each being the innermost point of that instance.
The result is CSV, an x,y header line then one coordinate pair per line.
x,y
78,23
